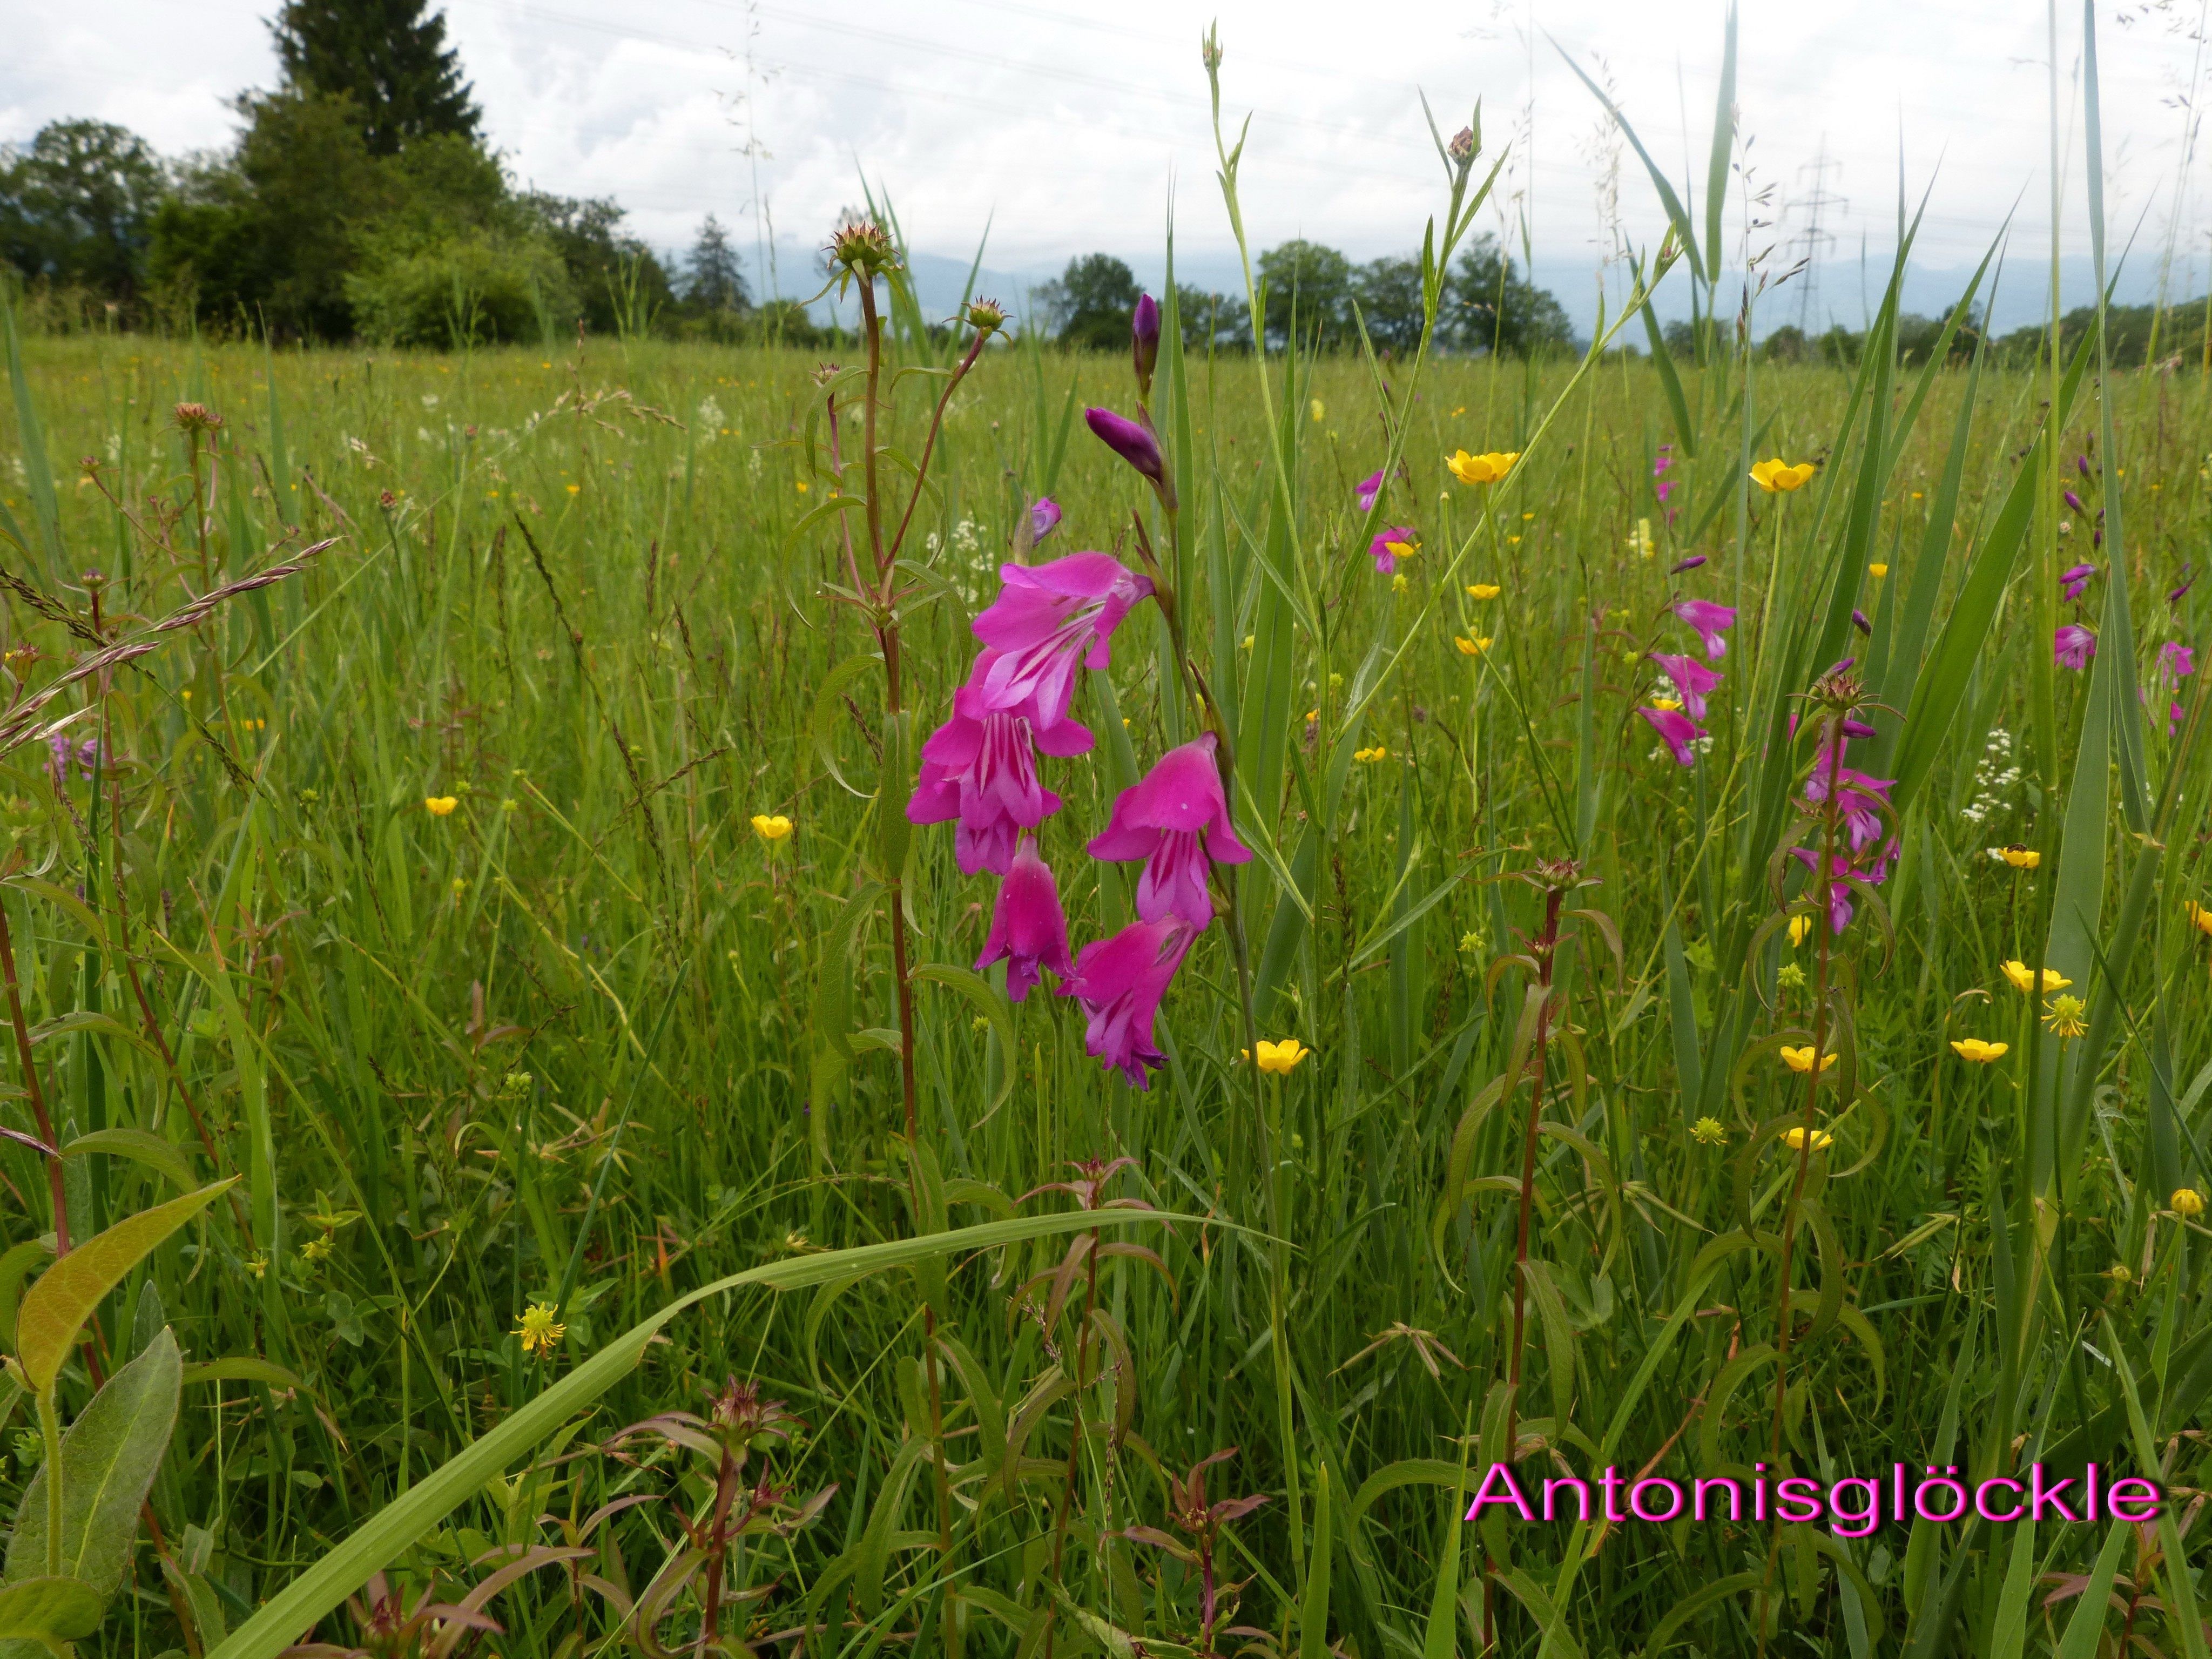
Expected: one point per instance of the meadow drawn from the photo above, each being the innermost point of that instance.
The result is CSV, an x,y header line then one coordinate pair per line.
x,y
500,870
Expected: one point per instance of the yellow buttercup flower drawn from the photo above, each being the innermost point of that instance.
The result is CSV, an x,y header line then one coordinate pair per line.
x,y
1369,757
440,805
1708,1132
1482,469
1795,1140
1779,475
2063,1016
1801,1060
1470,647
540,1332
1402,549
2201,915
769,829
1799,927
2023,977
2187,1202
1980,1052
1281,1058
2018,857
1665,705
1483,590
1877,571
1315,409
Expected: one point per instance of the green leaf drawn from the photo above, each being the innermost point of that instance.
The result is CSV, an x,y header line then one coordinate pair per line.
x,y
1313,1606
18,1262
343,1570
826,705
109,1458
992,1007
56,1308
243,1367
1716,170
140,1147
49,1610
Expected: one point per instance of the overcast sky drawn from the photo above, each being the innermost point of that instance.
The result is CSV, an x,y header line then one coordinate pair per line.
x,y
1063,128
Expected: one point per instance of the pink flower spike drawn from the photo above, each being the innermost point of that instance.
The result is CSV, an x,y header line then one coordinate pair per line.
x,y
1120,981
2176,660
1386,561
1028,930
1677,731
1368,489
2072,646
1047,619
1691,678
982,772
1044,519
1176,821
1712,622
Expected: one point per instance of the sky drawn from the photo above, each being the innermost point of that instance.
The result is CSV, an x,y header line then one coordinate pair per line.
x,y
1037,130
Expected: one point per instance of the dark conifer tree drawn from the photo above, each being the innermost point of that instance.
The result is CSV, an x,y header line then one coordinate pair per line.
x,y
390,58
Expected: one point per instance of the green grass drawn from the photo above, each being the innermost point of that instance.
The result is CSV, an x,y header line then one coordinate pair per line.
x,y
578,1019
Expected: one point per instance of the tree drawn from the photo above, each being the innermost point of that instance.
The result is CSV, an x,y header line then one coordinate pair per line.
x,y
1090,303
76,205
1389,295
1493,308
388,57
713,279
609,269
1310,282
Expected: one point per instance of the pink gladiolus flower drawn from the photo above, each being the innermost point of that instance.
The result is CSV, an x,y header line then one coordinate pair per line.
x,y
1028,930
1712,622
1677,731
1120,981
1132,441
2176,660
1689,564
2175,595
1044,519
1046,619
1368,489
1862,799
2075,578
1691,678
1145,341
2073,646
980,767
1176,821
1379,549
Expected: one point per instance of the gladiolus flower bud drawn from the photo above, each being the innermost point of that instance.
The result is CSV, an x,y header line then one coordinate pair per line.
x,y
1133,443
1689,564
1145,341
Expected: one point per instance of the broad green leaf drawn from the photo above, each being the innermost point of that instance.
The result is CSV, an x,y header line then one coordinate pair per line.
x,y
51,1611
140,1147
242,1367
109,1458
55,1309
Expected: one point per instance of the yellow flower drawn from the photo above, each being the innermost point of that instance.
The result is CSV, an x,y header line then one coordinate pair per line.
x,y
1470,647
1246,642
1398,583
1708,1132
2023,977
2063,1016
2201,915
1979,1052
315,1248
1315,410
1795,1140
1402,549
1281,1058
1482,469
1369,757
1801,1060
574,488
1483,590
1877,571
1641,542
2018,857
1799,926
2187,1202
1779,475
1667,706
540,1334
440,805
769,829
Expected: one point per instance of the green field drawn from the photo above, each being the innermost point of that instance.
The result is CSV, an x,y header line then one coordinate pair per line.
x,y
420,889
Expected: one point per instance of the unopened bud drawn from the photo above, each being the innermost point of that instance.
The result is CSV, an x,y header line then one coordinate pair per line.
x,y
1145,341
195,417
1209,49
986,316
862,246
1461,147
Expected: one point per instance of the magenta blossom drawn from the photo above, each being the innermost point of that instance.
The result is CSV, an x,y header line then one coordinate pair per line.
x,y
1144,343
1368,489
1028,930
2072,501
1862,800
1133,442
1120,981
2176,660
1840,908
1689,564
1044,519
2075,578
1047,619
1662,487
2073,646
2175,595
1677,731
1712,622
1379,549
980,767
1176,821
1691,678
2173,720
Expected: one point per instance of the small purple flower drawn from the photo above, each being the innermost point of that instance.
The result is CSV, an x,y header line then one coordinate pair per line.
x,y
58,759
1712,622
1381,549
1689,564
2173,720
2072,501
1028,930
1368,489
1862,800
1859,621
1677,731
1044,519
1132,441
1120,981
2075,578
2082,464
1145,343
1047,619
2073,646
2176,660
2174,595
1691,678
1177,822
